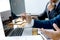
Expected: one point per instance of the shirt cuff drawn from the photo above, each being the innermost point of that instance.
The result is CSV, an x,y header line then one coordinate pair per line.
x,y
29,25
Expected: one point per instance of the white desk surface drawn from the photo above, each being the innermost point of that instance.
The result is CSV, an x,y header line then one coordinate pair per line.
x,y
27,32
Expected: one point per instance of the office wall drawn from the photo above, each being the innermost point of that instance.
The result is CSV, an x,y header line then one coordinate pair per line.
x,y
35,7
4,5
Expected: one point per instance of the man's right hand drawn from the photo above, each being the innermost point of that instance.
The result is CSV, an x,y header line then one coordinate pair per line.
x,y
26,17
34,17
55,35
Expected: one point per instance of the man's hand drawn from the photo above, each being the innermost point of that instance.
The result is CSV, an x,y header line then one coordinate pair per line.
x,y
55,35
50,7
35,17
26,17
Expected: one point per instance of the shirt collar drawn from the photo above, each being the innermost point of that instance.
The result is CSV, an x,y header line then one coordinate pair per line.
x,y
57,3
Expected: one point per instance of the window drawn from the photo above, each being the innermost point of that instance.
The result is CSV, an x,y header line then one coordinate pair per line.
x,y
4,5
35,7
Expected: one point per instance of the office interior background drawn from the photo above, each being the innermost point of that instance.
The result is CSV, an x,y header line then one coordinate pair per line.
x,y
35,7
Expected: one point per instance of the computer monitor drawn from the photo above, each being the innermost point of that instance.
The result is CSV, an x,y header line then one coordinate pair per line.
x,y
17,7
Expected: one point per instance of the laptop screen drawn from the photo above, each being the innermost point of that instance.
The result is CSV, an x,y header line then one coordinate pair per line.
x,y
8,27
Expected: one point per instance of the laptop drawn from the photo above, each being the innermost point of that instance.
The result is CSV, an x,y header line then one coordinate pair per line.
x,y
9,31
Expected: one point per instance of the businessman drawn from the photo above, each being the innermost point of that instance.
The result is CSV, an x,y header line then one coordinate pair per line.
x,y
52,12
52,9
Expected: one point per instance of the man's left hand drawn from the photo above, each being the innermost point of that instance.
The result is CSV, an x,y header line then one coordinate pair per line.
x,y
55,35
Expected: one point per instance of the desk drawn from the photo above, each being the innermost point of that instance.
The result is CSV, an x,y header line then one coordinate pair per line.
x,y
26,32
30,31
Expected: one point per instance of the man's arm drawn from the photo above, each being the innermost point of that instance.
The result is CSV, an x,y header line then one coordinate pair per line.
x,y
43,15
47,24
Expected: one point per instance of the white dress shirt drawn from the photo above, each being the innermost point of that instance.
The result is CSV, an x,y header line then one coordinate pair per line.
x,y
54,3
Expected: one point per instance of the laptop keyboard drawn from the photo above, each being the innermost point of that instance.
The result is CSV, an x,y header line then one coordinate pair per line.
x,y
16,32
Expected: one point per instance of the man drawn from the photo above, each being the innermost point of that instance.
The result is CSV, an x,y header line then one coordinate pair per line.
x,y
52,12
55,35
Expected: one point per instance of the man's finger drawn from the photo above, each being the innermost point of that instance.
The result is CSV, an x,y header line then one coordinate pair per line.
x,y
55,26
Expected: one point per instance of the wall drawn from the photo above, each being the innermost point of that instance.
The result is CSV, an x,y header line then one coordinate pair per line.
x,y
35,7
4,5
